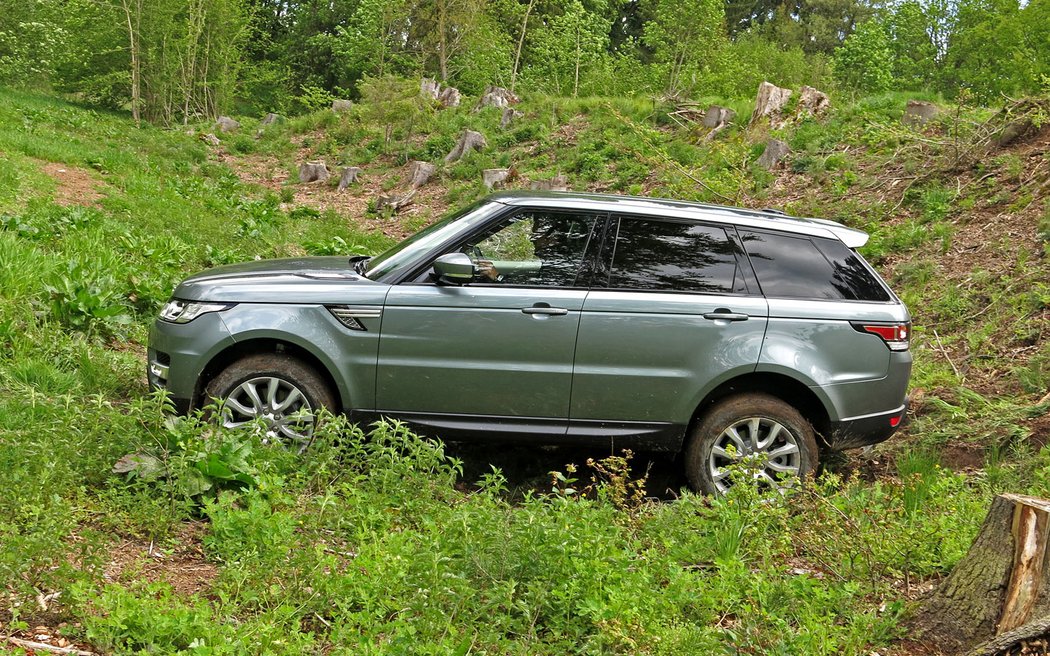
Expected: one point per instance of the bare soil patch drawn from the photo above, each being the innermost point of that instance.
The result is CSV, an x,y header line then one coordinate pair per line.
x,y
73,185
183,566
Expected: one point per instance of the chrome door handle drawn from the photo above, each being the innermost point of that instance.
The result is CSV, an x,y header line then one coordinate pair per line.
x,y
550,311
722,314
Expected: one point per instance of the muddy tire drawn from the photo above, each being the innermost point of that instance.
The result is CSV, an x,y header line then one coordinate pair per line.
x,y
749,425
282,391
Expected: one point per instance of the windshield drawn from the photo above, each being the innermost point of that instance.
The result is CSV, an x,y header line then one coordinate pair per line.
x,y
428,238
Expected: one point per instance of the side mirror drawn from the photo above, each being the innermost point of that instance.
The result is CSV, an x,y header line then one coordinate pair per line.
x,y
454,269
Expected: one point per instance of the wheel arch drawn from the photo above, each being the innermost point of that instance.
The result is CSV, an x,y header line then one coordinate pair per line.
x,y
262,345
790,390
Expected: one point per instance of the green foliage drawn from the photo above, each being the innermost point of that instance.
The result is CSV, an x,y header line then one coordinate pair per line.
x,y
687,39
865,62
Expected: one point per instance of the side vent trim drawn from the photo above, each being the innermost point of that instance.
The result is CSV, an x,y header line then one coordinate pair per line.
x,y
350,315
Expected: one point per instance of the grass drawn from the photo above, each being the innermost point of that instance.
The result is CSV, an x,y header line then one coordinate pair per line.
x,y
378,543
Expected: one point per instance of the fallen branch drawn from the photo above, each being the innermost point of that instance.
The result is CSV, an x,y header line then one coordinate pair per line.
x,y
29,644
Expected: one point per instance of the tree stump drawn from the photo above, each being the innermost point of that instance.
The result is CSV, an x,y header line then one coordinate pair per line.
x,y
349,176
775,152
557,183
395,201
226,124
497,97
313,172
494,178
340,105
919,112
429,88
509,114
469,141
769,103
812,102
419,173
717,118
449,97
998,586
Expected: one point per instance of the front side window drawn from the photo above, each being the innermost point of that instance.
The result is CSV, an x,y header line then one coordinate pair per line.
x,y
534,248
667,256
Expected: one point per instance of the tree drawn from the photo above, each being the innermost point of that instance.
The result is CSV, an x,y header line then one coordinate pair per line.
x,y
372,38
685,37
986,52
865,61
567,48
915,56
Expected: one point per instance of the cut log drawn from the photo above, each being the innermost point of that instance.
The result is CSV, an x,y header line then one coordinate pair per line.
x,y
348,177
226,124
468,142
395,201
313,172
494,178
557,183
509,114
769,103
775,152
998,586
449,97
919,112
429,88
419,173
339,105
497,97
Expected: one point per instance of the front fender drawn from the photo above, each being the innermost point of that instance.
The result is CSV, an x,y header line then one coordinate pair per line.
x,y
350,356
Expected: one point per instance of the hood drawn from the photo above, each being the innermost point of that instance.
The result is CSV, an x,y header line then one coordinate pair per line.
x,y
289,280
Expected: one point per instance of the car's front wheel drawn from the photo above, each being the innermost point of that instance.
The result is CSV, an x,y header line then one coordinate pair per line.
x,y
768,438
280,390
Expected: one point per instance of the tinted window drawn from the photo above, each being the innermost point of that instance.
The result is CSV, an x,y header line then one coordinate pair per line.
x,y
534,248
661,255
794,267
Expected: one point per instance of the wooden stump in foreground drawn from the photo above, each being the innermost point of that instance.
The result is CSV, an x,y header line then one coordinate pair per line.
x,y
998,587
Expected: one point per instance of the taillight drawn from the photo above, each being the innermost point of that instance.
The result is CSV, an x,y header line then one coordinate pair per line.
x,y
895,335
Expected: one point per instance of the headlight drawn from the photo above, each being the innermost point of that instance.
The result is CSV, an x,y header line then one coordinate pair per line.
x,y
186,311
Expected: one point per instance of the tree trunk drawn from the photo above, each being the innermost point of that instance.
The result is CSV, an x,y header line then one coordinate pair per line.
x,y
442,45
998,586
136,63
521,42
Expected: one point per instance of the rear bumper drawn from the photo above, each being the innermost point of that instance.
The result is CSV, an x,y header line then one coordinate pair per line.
x,y
856,432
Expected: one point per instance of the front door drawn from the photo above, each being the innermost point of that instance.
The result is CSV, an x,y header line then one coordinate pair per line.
x,y
499,349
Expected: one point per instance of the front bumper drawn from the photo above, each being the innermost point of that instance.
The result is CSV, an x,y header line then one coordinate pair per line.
x,y
857,432
178,353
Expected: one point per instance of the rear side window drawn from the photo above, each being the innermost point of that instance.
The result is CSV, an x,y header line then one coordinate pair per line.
x,y
801,267
667,256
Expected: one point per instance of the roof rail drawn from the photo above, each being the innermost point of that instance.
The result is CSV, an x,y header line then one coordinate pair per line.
x,y
771,210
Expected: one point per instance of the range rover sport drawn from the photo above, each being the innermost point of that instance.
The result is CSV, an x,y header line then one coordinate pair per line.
x,y
563,318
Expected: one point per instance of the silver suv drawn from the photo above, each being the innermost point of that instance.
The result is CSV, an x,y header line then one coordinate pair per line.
x,y
555,318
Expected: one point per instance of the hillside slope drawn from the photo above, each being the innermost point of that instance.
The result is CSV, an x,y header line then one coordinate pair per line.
x,y
218,543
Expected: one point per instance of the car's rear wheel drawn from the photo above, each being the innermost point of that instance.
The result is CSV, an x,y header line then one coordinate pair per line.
x,y
768,437
280,390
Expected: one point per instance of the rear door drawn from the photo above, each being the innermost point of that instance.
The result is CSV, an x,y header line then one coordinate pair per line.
x,y
678,312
